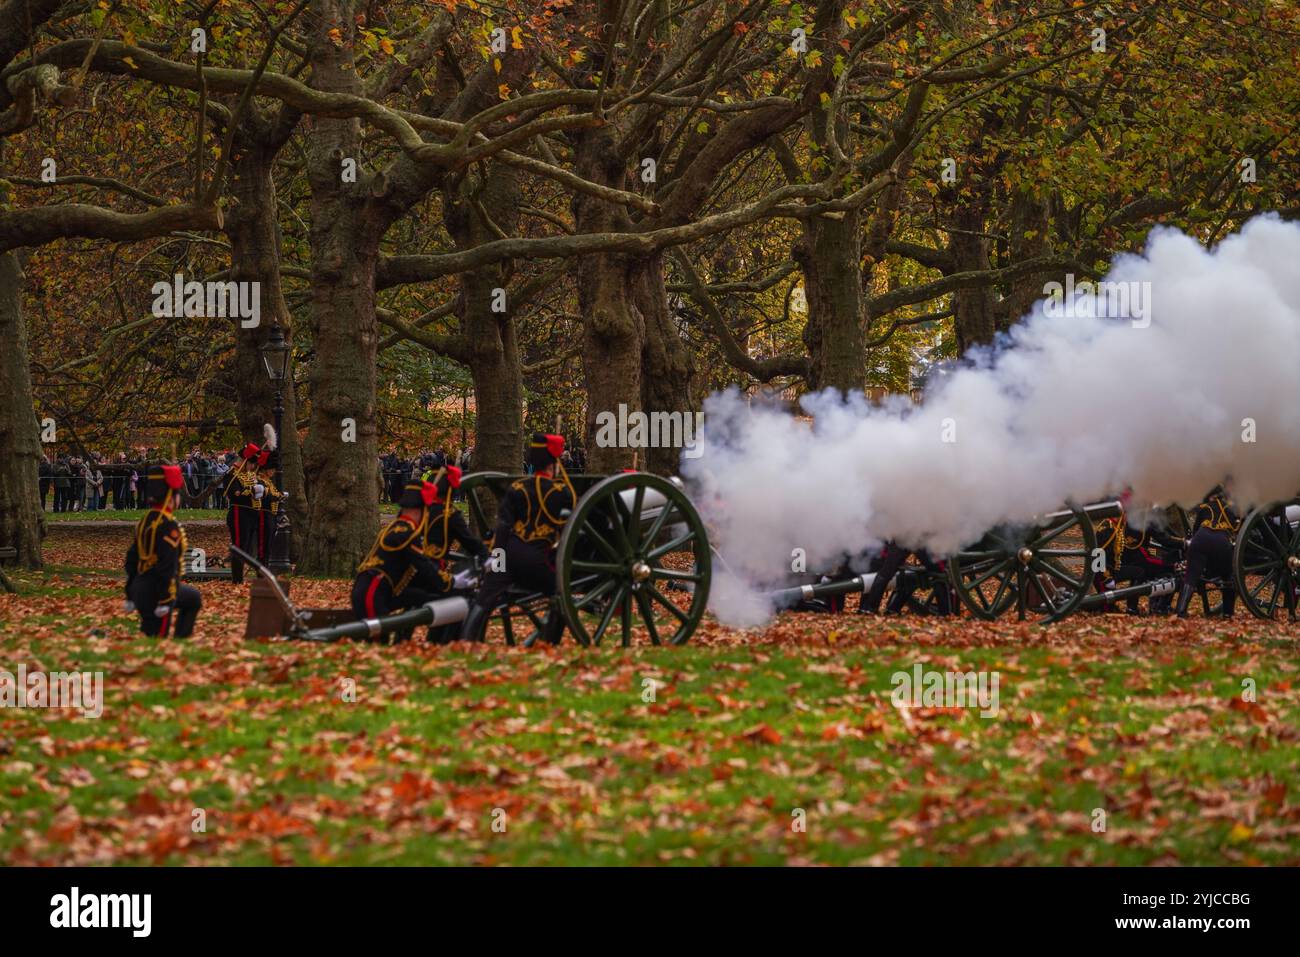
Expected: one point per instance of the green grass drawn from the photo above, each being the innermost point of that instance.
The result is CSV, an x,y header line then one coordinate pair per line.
x,y
584,770
131,515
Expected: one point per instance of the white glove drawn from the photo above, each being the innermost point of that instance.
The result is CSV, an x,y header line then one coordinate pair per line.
x,y
162,611
258,491
464,580
128,605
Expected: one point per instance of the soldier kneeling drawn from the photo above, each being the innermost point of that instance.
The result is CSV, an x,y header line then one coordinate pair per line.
x,y
529,520
397,574
153,562
447,525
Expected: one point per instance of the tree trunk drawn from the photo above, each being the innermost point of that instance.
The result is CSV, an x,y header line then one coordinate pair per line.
x,y
975,320
834,334
1029,240
254,232
668,371
22,522
493,348
831,253
613,327
340,458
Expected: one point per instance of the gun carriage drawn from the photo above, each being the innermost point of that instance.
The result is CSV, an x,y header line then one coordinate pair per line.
x,y
634,561
632,545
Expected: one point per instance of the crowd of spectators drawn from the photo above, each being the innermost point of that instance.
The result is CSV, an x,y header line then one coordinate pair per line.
x,y
395,470
95,482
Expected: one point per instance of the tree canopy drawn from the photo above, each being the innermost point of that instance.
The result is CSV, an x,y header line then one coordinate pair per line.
x,y
487,215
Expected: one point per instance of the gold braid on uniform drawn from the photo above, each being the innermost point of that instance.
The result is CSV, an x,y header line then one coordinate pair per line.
x,y
541,499
147,554
1114,524
271,495
440,552
1222,522
372,559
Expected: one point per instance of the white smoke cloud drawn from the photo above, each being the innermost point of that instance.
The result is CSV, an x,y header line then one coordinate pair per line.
x,y
1071,408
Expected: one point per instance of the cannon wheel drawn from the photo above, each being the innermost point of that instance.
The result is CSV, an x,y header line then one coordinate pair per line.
x,y
1266,562
1006,568
610,562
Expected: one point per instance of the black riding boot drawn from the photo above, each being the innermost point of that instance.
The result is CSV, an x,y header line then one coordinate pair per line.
x,y
1184,599
553,626
1229,602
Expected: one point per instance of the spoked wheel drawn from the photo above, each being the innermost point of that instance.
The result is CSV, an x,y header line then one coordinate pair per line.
x,y
523,619
1043,570
1266,561
632,544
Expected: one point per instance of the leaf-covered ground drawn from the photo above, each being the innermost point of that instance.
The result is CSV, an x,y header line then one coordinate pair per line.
x,y
497,755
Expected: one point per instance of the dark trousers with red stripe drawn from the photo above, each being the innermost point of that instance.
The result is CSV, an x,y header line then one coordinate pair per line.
x,y
372,596
243,525
182,613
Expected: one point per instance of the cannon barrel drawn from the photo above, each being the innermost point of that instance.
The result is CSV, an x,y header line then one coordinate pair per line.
x,y
1096,512
440,611
844,586
1151,589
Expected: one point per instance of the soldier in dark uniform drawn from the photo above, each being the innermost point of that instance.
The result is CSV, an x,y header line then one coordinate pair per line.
x,y
241,508
1214,525
154,562
448,525
244,491
266,503
886,566
1134,555
397,574
529,520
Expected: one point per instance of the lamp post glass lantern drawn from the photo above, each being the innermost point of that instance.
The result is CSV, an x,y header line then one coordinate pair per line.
x,y
275,357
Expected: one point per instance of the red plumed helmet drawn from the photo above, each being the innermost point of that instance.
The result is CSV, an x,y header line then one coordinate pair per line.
x,y
263,457
250,451
428,492
172,475
555,445
453,476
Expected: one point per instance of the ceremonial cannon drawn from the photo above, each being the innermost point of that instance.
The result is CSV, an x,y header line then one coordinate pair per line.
x,y
1266,560
632,542
1041,567
1044,568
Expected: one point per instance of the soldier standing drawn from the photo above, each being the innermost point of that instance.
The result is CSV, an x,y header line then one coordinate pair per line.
x,y
1214,524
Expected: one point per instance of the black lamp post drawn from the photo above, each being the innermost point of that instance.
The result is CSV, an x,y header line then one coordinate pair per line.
x,y
275,356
